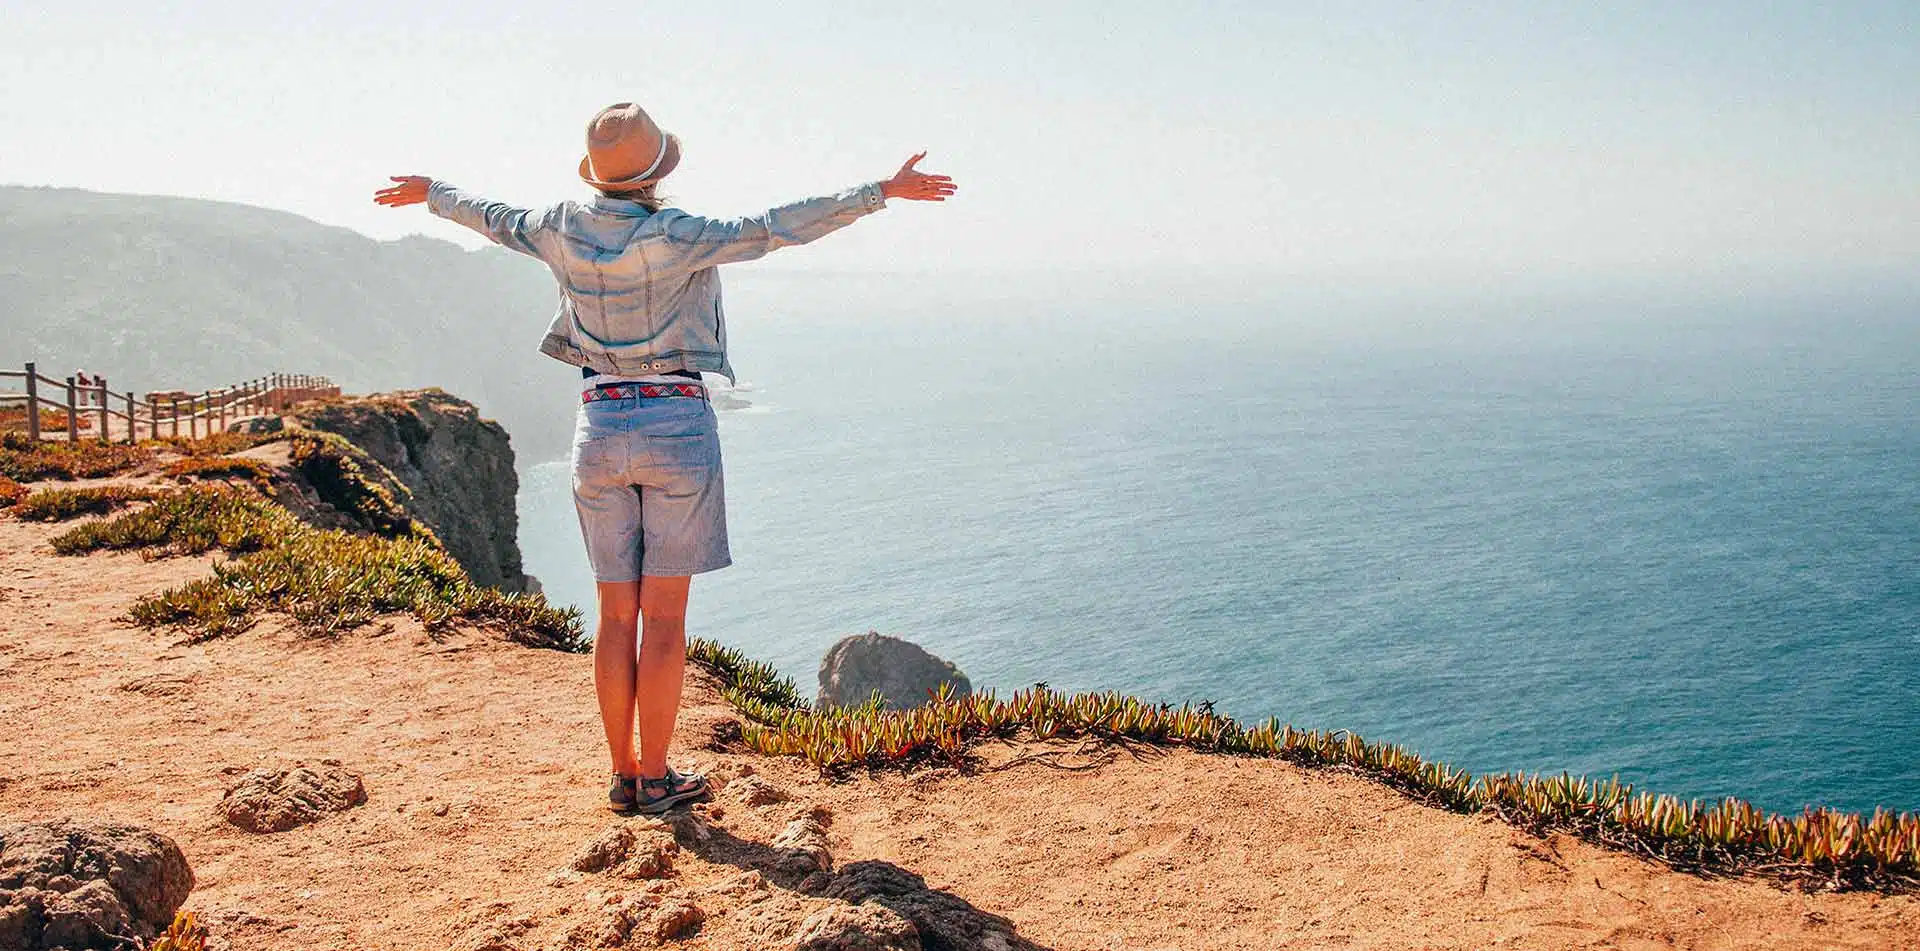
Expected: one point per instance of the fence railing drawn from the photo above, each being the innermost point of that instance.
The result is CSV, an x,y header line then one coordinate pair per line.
x,y
163,412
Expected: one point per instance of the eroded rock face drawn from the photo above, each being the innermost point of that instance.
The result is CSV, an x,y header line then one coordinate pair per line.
x,y
458,467
943,919
902,671
856,928
275,800
629,853
803,847
79,885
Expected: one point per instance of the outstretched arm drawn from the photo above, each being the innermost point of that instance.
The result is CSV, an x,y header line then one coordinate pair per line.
x,y
510,227
709,241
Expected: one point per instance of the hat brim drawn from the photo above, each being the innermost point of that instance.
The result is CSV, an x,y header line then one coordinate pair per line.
x,y
667,165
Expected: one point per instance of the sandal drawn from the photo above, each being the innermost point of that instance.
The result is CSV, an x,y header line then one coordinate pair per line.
x,y
658,795
623,794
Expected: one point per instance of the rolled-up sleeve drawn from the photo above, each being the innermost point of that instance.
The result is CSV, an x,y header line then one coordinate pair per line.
x,y
705,242
516,229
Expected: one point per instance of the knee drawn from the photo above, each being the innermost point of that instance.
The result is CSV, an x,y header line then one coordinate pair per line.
x,y
619,619
663,635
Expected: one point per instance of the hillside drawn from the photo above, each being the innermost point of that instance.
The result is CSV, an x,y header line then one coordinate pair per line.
x,y
163,292
478,822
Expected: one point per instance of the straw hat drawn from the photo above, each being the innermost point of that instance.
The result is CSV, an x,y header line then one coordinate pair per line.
x,y
627,149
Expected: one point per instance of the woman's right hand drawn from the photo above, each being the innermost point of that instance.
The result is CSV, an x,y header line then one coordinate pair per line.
x,y
412,190
914,185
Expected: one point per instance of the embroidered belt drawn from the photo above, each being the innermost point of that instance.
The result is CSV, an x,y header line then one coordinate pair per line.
x,y
628,391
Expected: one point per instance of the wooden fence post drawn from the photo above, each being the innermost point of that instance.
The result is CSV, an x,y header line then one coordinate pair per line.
x,y
73,413
33,402
153,415
173,405
104,436
223,409
133,429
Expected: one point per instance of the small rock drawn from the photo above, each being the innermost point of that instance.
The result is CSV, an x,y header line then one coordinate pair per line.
x,y
161,685
266,800
943,919
749,882
652,859
67,884
803,844
756,792
856,928
500,936
676,919
604,852
629,853
613,925
439,809
688,827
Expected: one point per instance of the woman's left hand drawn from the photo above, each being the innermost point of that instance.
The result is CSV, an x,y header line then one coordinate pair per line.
x,y
915,185
412,190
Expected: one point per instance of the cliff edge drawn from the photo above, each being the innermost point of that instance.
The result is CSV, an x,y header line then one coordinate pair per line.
x,y
352,746
455,468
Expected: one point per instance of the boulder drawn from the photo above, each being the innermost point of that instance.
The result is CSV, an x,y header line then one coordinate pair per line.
x,y
75,885
275,800
901,670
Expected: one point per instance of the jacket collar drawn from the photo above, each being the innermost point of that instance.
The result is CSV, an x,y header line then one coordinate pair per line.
x,y
620,206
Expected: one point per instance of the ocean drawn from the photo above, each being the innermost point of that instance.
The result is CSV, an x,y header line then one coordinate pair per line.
x,y
1673,541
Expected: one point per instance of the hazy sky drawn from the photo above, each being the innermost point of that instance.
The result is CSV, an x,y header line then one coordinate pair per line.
x,y
1413,139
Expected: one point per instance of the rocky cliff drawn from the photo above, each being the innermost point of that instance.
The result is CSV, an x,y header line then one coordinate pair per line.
x,y
454,469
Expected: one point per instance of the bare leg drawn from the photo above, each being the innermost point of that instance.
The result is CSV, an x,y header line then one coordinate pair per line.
x,y
663,663
614,670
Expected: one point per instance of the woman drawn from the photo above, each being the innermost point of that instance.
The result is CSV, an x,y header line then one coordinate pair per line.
x,y
640,315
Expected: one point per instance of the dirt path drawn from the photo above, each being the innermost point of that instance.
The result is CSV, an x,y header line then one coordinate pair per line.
x,y
484,775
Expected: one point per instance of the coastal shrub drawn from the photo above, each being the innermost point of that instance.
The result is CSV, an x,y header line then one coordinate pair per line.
x,y
10,492
187,522
1818,847
219,467
345,477
217,444
182,935
58,505
51,420
26,460
328,581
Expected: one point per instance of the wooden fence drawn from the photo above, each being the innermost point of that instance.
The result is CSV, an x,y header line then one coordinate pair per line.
x,y
96,408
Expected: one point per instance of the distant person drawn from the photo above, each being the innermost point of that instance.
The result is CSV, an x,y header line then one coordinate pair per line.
x,y
640,315
82,395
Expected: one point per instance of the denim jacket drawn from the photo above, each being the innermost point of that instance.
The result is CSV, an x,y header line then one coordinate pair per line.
x,y
639,292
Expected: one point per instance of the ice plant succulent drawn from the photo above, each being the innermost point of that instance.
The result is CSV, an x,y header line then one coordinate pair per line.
x,y
328,581
1819,847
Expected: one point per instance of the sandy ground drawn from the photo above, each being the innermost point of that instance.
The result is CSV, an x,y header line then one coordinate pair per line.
x,y
484,774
